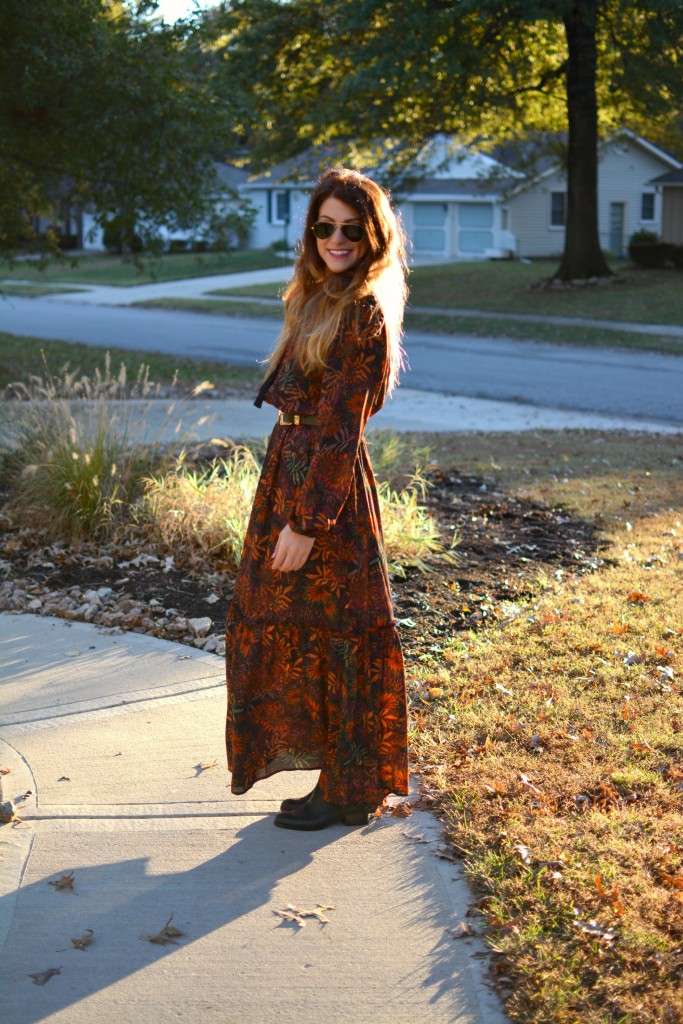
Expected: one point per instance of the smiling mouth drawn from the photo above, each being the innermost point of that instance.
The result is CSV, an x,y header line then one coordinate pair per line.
x,y
339,252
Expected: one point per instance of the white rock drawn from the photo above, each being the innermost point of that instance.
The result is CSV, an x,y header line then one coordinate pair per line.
x,y
35,604
200,626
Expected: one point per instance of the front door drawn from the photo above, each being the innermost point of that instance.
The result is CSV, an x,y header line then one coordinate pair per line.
x,y
616,228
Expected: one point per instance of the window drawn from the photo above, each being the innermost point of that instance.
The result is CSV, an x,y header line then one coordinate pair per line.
x,y
647,206
558,209
279,207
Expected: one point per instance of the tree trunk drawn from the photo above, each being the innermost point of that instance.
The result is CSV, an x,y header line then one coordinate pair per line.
x,y
582,255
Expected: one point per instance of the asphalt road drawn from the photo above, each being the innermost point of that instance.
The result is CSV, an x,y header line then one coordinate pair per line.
x,y
616,382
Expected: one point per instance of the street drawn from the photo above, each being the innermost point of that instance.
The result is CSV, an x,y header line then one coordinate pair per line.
x,y
617,382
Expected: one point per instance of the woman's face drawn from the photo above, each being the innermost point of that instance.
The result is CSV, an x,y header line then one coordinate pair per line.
x,y
337,252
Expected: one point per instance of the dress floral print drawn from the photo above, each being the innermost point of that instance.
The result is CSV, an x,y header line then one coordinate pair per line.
x,y
313,659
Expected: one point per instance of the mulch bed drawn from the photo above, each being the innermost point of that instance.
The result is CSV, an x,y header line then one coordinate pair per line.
x,y
506,545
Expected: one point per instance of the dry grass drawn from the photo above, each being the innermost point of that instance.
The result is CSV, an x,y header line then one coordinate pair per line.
x,y
554,739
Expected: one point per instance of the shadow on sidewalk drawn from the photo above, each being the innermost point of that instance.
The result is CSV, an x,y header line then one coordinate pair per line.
x,y
390,922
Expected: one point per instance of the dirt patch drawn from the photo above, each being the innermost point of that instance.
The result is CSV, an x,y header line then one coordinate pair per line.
x,y
507,546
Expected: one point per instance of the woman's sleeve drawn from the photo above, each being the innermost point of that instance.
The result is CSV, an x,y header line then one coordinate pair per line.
x,y
355,373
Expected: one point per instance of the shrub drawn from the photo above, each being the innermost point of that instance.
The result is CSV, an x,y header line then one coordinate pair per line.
x,y
647,251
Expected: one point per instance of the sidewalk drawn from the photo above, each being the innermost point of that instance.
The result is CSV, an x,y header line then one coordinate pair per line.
x,y
111,741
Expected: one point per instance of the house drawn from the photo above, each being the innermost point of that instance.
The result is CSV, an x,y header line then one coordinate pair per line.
x,y
670,187
452,212
628,199
78,228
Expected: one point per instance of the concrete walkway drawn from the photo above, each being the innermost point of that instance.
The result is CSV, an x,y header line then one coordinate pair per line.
x,y
114,745
189,288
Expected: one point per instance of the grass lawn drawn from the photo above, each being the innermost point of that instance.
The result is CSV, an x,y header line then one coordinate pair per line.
x,y
118,270
647,296
216,307
554,738
20,357
34,291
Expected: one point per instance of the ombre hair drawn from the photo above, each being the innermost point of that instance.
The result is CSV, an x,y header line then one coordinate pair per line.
x,y
318,303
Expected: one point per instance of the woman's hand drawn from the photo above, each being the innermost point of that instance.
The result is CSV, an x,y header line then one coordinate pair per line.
x,y
291,551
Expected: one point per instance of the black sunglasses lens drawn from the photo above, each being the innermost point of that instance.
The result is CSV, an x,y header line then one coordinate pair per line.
x,y
325,229
354,232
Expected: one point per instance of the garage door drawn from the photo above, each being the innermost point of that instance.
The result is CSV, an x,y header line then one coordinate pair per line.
x,y
429,227
475,228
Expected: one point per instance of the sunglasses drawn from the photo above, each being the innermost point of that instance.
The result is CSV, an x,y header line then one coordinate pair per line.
x,y
325,229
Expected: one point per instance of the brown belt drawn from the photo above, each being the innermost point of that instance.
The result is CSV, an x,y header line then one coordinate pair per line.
x,y
296,419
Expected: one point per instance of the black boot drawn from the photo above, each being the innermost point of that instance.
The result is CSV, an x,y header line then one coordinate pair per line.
x,y
293,803
317,813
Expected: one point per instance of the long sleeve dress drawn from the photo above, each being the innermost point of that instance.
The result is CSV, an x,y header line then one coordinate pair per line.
x,y
314,664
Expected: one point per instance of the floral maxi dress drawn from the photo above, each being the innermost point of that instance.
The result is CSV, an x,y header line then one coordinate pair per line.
x,y
314,664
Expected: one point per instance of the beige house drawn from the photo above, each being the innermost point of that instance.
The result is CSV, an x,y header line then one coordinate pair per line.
x,y
628,199
670,186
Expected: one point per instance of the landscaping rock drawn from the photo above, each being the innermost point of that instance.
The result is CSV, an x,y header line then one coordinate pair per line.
x,y
200,626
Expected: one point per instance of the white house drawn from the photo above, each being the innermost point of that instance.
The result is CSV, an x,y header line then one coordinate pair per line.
x,y
454,211
628,201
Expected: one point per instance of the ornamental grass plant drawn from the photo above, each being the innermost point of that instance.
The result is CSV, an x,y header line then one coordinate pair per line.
x,y
207,510
73,463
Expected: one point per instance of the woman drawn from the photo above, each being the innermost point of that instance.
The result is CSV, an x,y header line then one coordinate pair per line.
x,y
314,664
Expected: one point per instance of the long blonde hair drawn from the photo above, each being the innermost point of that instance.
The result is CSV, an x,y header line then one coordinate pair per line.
x,y
318,303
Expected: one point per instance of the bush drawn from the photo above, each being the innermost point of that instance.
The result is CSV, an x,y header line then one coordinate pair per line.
x,y
119,239
676,256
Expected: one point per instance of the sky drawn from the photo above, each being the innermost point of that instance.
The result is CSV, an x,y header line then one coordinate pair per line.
x,y
171,10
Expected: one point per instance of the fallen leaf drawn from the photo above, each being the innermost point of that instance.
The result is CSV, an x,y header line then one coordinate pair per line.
x,y
445,853
417,839
675,881
204,766
168,934
528,784
41,977
638,597
466,931
402,810
64,778
297,914
84,941
64,883
592,927
4,771
525,853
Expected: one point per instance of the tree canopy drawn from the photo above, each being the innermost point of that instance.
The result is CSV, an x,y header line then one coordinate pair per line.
x,y
383,76
103,104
